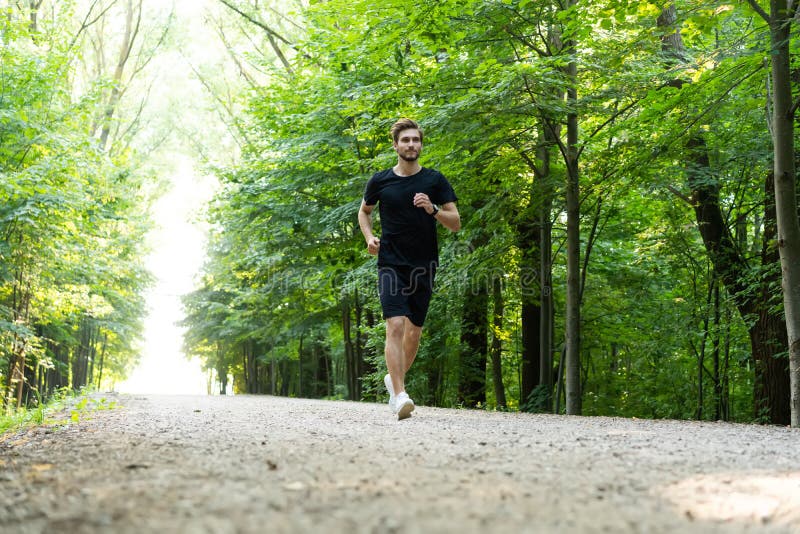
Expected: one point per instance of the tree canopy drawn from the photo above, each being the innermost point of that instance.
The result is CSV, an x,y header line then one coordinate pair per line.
x,y
74,198
616,165
668,156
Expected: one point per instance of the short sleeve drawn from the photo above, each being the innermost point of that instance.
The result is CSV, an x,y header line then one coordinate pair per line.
x,y
371,192
444,192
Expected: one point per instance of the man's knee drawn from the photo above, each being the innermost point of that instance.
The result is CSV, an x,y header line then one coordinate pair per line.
x,y
412,331
395,327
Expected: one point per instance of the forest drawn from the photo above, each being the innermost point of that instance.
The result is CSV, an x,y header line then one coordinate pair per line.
x,y
626,175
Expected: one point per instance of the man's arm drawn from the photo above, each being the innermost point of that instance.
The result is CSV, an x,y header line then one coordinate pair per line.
x,y
449,217
365,223
447,214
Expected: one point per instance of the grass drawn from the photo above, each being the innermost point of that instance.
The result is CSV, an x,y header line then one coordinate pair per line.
x,y
63,407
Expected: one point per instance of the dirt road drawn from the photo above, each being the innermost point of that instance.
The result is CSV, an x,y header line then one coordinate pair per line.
x,y
250,464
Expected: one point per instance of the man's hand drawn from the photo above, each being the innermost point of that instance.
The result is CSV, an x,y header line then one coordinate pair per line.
x,y
365,223
421,200
373,245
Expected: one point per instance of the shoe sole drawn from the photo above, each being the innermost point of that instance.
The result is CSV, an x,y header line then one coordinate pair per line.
x,y
404,412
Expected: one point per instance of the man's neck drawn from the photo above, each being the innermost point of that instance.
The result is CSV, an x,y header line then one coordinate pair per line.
x,y
406,168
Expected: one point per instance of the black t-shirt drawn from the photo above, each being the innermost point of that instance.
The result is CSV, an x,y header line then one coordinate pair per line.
x,y
408,233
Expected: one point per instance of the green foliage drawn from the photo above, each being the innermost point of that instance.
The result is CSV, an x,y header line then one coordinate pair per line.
x,y
487,80
63,406
63,201
86,405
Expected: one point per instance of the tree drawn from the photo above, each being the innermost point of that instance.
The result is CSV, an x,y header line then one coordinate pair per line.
x,y
63,321
731,262
573,313
574,139
780,18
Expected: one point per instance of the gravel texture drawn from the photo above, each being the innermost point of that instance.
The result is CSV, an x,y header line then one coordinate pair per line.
x,y
260,464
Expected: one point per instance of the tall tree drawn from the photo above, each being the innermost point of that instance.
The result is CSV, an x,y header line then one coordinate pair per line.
x,y
490,82
573,312
780,18
767,329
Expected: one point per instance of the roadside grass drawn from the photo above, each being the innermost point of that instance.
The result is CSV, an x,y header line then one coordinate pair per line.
x,y
63,407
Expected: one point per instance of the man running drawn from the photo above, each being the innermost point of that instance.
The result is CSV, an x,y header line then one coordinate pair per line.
x,y
411,199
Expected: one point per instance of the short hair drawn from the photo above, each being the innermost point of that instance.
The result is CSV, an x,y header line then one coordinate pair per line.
x,y
405,124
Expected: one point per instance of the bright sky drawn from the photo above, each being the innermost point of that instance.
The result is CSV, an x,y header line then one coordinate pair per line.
x,y
178,253
178,242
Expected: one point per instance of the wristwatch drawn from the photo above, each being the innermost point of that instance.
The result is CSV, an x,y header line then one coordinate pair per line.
x,y
435,210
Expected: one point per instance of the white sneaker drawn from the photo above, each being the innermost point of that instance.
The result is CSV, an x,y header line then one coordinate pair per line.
x,y
387,381
403,406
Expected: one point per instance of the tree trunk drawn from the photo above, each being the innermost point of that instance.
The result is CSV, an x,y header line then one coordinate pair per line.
x,y
128,38
322,370
351,369
573,312
474,341
20,308
102,360
786,191
725,405
536,381
701,354
716,340
300,367
497,344
245,370
366,356
57,377
768,342
16,377
771,386
222,369
364,366
251,368
531,316
285,370
545,226
273,374
93,331
34,6
80,359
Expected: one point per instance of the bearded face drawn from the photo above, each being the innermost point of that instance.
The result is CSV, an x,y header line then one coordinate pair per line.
x,y
409,145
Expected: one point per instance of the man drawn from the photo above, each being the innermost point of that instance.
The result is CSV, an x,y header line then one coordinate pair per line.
x,y
411,200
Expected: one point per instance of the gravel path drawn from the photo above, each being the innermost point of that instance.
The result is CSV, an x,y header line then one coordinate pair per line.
x,y
257,464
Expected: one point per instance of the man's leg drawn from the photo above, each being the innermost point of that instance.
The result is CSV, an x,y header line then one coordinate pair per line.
x,y
411,336
395,357
402,342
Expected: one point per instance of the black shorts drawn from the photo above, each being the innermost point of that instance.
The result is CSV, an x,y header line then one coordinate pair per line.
x,y
405,292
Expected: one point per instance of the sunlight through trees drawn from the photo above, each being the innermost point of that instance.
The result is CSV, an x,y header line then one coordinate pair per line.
x,y
624,197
